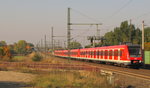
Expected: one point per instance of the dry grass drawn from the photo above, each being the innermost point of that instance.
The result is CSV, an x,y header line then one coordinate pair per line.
x,y
63,78
71,79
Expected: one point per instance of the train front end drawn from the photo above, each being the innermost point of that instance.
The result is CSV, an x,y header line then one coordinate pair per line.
x,y
135,55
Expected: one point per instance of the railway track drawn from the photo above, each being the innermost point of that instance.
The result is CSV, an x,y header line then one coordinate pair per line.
x,y
131,74
38,65
143,74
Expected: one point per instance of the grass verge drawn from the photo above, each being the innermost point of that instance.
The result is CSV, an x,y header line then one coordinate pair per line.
x,y
71,79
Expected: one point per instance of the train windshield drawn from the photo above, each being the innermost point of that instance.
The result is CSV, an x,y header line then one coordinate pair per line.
x,y
134,51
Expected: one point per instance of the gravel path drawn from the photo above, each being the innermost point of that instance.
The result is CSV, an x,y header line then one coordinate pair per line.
x,y
10,79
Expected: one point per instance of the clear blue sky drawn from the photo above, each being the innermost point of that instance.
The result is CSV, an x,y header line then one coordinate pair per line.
x,y
30,20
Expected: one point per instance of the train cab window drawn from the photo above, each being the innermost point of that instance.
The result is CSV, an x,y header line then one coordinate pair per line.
x,y
134,51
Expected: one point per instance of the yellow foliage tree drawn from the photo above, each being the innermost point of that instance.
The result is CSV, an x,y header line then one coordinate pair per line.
x,y
147,46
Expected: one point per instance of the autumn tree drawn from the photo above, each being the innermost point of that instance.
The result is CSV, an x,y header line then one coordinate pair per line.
x,y
2,43
20,47
147,34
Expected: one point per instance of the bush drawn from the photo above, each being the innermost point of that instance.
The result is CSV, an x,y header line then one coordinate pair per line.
x,y
37,57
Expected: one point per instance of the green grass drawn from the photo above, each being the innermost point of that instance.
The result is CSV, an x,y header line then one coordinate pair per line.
x,y
19,58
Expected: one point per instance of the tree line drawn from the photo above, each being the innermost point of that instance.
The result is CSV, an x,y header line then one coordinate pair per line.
x,y
125,33
21,47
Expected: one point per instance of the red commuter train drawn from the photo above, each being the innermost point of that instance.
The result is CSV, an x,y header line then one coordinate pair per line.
x,y
120,54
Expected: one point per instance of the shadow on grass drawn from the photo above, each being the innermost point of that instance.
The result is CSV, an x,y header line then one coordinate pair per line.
x,y
13,85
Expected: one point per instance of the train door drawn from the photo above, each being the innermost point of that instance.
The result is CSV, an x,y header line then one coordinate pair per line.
x,y
97,54
78,53
84,53
102,53
81,53
115,54
110,54
91,54
106,54
94,54
88,54
122,54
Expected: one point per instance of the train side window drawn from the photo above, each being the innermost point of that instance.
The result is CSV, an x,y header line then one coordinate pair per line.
x,y
93,53
97,53
102,53
116,53
106,52
110,53
121,52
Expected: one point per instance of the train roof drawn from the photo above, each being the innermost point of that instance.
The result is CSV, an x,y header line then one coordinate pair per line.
x,y
105,47
115,46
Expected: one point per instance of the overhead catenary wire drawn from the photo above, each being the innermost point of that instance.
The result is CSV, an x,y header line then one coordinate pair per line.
x,y
142,15
119,10
82,32
90,18
98,23
138,17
